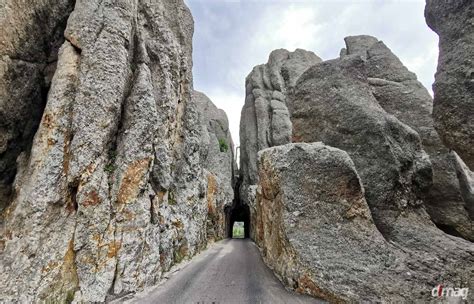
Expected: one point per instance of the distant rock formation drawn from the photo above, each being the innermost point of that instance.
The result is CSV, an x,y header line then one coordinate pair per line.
x,y
369,105
265,121
118,183
217,158
453,111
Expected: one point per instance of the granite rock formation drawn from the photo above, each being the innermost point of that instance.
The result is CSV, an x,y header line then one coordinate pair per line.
x,y
218,162
112,190
399,93
317,233
369,105
453,110
28,56
265,121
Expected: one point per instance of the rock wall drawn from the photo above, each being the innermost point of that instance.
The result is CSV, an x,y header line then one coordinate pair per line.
x,y
399,93
219,164
114,190
317,233
453,89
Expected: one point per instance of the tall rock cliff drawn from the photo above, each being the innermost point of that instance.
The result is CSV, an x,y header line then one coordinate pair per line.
x,y
112,190
453,111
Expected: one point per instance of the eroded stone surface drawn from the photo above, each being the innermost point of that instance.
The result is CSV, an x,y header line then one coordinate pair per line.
x,y
399,93
265,120
316,231
115,190
218,161
31,33
453,110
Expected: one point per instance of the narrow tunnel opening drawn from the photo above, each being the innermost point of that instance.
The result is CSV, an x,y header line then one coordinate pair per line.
x,y
238,217
237,213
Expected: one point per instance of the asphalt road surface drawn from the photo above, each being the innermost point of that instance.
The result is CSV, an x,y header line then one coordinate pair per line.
x,y
230,271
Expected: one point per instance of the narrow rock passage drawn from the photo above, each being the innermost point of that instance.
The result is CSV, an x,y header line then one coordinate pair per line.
x,y
231,271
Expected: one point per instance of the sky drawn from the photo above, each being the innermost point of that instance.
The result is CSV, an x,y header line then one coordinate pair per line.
x,y
233,36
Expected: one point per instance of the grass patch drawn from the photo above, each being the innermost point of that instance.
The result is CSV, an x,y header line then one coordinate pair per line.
x,y
223,146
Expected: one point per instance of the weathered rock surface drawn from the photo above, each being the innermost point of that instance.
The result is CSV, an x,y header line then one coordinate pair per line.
x,y
333,103
399,93
218,161
265,120
31,33
453,111
369,105
316,231
113,192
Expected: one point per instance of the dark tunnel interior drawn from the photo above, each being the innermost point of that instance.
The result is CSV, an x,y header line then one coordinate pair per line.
x,y
238,212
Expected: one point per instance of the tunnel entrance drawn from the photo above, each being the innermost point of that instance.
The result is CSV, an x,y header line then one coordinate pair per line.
x,y
238,212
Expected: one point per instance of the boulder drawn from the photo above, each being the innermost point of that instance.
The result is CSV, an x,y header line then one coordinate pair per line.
x,y
317,233
453,110
399,93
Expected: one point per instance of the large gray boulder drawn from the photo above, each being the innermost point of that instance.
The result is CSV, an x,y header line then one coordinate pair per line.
x,y
399,93
317,233
332,102
453,111
217,157
265,120
113,192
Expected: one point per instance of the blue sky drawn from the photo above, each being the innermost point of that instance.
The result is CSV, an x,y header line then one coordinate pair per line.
x,y
232,36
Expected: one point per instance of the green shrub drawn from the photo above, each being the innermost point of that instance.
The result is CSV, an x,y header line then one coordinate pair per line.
x,y
223,146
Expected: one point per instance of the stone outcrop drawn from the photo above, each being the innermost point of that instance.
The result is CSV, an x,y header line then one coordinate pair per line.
x,y
265,120
399,93
115,187
453,89
218,161
369,105
316,231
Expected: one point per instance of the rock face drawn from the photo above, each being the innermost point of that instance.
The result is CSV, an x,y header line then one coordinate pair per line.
x,y
317,233
28,56
265,120
113,191
218,161
369,105
453,89
399,93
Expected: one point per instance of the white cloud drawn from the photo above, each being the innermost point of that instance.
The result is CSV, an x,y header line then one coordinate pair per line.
x,y
231,37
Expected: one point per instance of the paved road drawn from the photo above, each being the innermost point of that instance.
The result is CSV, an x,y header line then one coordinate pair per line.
x,y
231,271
